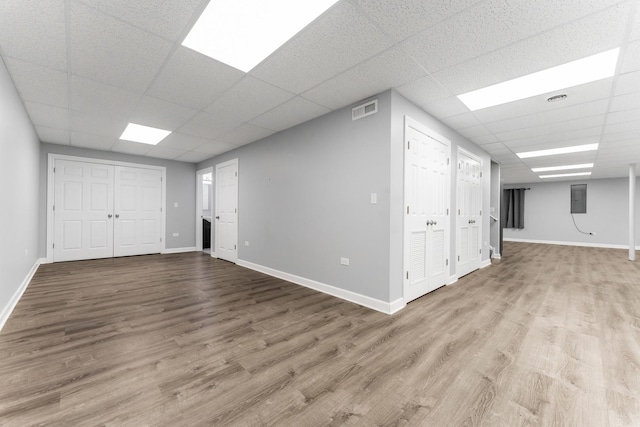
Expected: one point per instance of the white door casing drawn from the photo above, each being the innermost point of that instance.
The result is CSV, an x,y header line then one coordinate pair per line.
x,y
83,211
84,238
137,211
226,218
427,200
469,213
200,190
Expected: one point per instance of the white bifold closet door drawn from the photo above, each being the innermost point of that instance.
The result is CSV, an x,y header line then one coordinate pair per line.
x,y
102,211
469,222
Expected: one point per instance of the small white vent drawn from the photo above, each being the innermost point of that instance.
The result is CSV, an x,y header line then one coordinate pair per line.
x,y
364,110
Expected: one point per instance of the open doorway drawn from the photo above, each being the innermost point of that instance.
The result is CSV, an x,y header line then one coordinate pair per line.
x,y
204,210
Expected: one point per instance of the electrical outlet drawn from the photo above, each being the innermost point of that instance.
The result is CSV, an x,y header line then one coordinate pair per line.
x,y
344,261
175,204
176,234
246,243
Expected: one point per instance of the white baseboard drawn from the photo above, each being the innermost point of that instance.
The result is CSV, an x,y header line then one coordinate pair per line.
x,y
552,242
496,256
485,263
178,250
8,309
363,300
453,279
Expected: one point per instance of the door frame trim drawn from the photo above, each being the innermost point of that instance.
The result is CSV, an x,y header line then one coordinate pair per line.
x,y
199,231
52,157
215,195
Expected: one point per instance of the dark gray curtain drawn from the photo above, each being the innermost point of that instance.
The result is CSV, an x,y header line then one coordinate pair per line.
x,y
514,208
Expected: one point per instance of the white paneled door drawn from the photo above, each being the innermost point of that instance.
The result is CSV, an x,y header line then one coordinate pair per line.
x,y
83,211
226,234
426,235
137,211
469,222
102,210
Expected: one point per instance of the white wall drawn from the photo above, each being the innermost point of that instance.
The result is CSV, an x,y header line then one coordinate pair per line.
x,y
19,174
548,218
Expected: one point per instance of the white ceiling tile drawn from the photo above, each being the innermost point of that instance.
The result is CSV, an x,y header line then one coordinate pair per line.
x,y
166,18
193,80
405,18
161,114
424,90
336,41
475,131
249,98
588,135
484,139
628,83
213,148
193,157
34,31
107,50
209,125
96,124
165,152
96,142
553,128
631,58
462,121
100,99
52,135
625,102
130,147
389,69
496,148
588,36
39,84
624,116
443,108
588,109
539,105
632,126
244,134
289,114
47,115
182,142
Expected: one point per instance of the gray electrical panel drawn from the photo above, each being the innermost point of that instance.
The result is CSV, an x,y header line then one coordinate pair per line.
x,y
579,198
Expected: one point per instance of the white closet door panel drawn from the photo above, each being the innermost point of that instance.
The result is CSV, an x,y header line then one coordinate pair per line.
x,y
227,211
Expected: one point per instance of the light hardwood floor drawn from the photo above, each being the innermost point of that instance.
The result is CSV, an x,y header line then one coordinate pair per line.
x,y
550,336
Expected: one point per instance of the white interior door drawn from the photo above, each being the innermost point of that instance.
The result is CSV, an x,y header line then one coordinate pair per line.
x,y
83,211
426,235
137,211
469,205
226,234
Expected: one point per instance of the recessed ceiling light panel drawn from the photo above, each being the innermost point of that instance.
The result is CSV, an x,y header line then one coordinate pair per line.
x,y
144,134
581,71
242,33
563,175
561,150
563,168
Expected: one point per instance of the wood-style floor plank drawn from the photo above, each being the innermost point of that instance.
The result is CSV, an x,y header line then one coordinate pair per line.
x,y
549,336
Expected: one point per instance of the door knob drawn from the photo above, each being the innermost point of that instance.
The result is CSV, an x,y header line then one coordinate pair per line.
x,y
434,222
109,216
117,215
217,217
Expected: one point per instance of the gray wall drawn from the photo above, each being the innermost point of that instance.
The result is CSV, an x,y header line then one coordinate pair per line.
x,y
181,188
19,173
401,107
304,200
548,218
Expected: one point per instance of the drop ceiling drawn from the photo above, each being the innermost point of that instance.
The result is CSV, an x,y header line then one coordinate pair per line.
x,y
86,68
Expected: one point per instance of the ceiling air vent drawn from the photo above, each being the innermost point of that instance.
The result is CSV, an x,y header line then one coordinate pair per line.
x,y
364,110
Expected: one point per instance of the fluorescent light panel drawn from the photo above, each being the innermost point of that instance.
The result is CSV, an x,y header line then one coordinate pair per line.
x,y
144,134
561,150
242,33
563,168
562,175
581,71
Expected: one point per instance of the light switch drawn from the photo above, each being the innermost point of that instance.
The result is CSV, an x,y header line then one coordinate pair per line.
x,y
374,198
175,204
